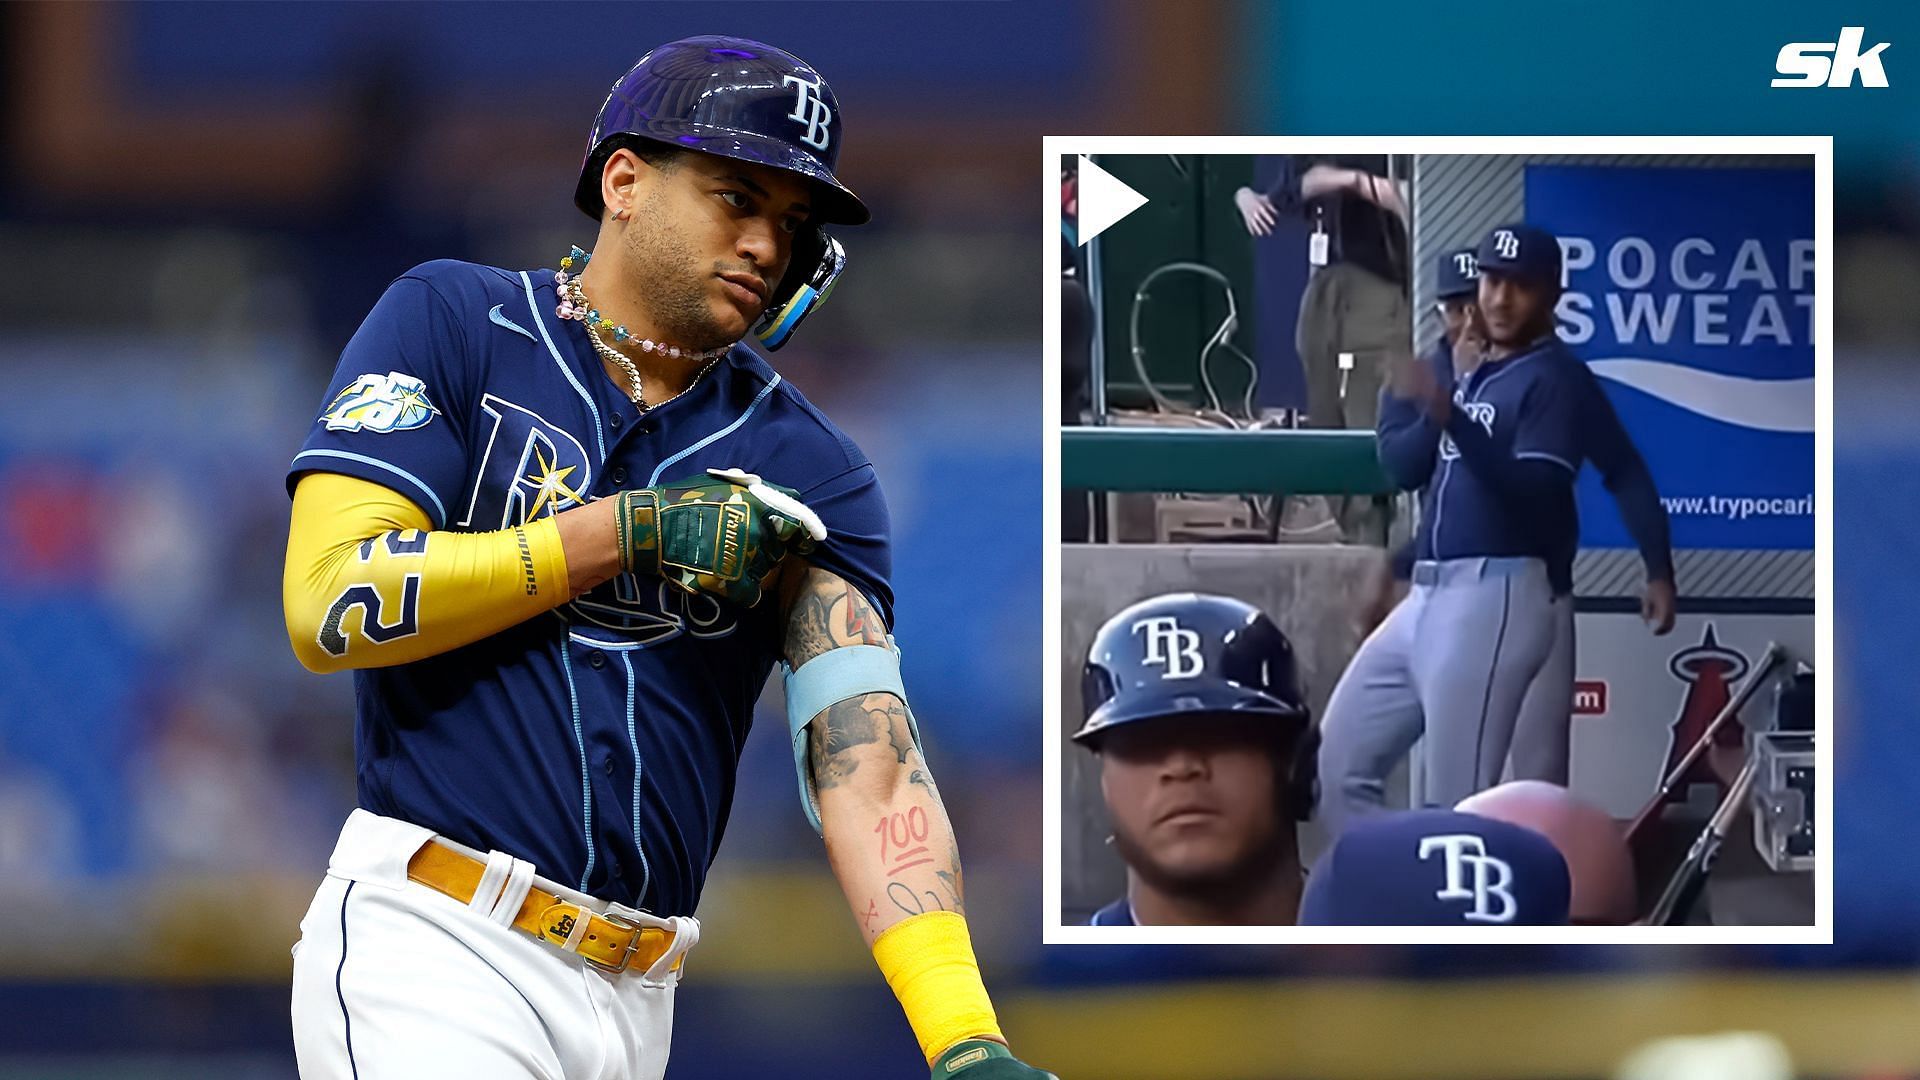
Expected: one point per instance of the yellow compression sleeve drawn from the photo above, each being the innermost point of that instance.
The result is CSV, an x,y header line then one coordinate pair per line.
x,y
368,584
928,961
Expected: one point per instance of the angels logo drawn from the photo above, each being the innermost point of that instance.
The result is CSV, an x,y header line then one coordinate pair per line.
x,y
1709,669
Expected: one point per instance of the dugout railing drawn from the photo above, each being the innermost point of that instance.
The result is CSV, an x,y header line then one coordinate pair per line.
x,y
1276,462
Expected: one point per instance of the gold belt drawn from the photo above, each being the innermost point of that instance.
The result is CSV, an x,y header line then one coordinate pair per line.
x,y
608,941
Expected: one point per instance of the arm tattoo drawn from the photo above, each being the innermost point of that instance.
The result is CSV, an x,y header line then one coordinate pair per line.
x,y
828,614
914,903
899,735
951,878
840,731
833,746
952,882
917,898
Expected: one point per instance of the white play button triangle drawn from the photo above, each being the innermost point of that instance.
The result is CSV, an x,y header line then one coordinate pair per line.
x,y
1104,199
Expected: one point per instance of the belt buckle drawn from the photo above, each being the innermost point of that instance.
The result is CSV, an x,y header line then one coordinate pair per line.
x,y
621,917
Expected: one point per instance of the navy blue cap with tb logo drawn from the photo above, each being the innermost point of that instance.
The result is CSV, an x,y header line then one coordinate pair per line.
x,y
1521,251
1459,274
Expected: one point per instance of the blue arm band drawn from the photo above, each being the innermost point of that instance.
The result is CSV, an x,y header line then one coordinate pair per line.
x,y
827,680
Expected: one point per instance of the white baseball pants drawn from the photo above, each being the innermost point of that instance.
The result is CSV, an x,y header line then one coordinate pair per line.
x,y
394,980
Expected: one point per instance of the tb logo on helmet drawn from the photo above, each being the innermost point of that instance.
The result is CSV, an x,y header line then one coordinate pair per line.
x,y
1507,244
1491,876
811,110
1172,646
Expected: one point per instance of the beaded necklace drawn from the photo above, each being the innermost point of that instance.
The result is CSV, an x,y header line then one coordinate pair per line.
x,y
574,305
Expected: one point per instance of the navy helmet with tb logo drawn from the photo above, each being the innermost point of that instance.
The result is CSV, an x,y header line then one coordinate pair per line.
x,y
1189,653
733,97
744,100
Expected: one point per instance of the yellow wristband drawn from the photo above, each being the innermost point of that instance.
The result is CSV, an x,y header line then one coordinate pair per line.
x,y
928,961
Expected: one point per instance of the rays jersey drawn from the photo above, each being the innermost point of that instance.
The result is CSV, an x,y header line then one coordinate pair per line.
x,y
1530,406
598,741
1568,420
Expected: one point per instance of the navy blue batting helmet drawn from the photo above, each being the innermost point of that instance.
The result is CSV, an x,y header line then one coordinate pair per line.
x,y
1188,653
739,99
732,97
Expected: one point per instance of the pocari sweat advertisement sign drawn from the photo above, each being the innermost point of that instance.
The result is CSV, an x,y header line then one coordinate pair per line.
x,y
1689,292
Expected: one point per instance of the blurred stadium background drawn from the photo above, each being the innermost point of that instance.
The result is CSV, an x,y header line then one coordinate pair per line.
x,y
199,201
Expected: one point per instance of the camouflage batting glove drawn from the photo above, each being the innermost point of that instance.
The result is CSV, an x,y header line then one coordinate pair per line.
x,y
984,1059
723,534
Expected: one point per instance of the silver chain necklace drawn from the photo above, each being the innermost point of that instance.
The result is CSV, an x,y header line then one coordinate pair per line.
x,y
574,306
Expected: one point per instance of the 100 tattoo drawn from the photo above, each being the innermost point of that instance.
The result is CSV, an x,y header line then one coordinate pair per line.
x,y
903,840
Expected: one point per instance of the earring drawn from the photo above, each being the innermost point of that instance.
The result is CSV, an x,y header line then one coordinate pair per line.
x,y
620,214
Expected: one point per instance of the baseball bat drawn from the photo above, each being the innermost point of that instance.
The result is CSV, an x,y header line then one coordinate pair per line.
x,y
1768,661
1687,882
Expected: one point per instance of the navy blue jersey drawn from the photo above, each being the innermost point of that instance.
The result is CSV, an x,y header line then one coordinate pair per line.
x,y
1406,440
1506,507
1396,413
598,741
1508,491
1605,442
1440,357
1118,913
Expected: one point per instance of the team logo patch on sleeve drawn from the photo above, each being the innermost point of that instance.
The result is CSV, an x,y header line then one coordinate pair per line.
x,y
390,402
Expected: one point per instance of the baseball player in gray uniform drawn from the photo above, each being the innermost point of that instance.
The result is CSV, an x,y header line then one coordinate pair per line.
x,y
1541,740
1496,450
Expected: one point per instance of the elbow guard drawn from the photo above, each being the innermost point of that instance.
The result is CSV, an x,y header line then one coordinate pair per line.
x,y
825,681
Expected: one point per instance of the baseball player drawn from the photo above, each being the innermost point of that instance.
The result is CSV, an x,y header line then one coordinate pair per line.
x,y
1206,749
1541,741
1496,449
530,519
1457,284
